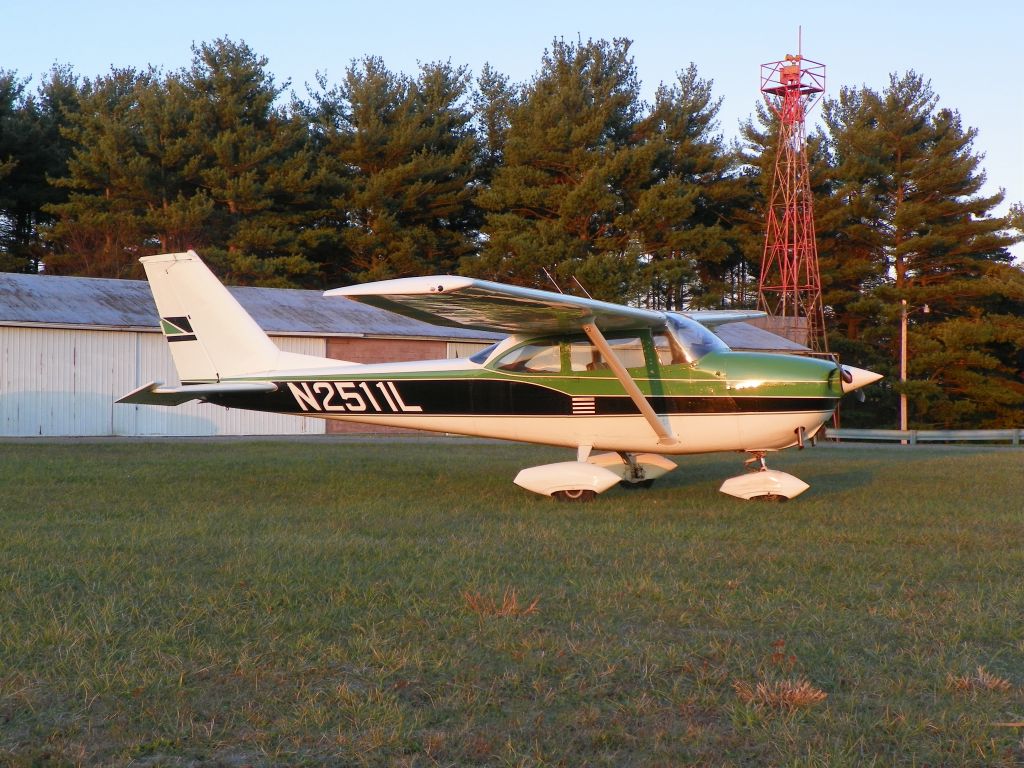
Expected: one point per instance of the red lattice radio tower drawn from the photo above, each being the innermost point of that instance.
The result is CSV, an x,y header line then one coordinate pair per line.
x,y
790,286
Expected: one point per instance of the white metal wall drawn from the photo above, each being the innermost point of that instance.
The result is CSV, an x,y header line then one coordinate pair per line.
x,y
465,348
63,382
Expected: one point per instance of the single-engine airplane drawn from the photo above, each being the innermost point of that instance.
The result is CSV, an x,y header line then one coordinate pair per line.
x,y
632,383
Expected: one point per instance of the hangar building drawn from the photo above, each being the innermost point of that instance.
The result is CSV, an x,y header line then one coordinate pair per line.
x,y
71,346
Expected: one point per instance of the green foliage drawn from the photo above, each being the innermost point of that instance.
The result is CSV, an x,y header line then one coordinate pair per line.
x,y
199,159
493,99
386,175
102,224
31,152
571,163
905,221
403,159
251,159
692,224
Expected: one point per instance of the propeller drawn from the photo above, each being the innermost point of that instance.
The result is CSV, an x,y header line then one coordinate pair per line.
x,y
854,379
847,377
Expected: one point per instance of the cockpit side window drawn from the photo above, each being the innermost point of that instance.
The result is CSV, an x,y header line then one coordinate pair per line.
x,y
584,356
693,338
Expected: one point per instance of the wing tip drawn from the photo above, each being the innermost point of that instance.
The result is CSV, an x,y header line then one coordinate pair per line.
x,y
405,286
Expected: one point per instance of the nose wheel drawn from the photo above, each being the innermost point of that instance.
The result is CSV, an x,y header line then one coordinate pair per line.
x,y
761,483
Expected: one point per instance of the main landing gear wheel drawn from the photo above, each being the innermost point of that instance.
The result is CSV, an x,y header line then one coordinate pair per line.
x,y
773,498
631,486
579,495
567,480
635,470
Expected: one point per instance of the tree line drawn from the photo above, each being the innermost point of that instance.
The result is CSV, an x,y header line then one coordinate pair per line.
x,y
570,177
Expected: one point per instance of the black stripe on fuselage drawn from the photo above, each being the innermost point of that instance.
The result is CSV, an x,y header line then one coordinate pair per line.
x,y
488,397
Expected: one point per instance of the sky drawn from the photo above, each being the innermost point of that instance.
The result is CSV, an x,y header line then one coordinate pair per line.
x,y
972,52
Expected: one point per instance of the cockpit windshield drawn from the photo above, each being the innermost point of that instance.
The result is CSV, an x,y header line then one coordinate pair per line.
x,y
481,356
695,340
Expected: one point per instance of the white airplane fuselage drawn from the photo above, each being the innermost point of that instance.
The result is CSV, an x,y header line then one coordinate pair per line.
x,y
575,372
405,395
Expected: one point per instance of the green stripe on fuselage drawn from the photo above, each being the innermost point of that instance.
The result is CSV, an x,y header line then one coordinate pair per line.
x,y
731,374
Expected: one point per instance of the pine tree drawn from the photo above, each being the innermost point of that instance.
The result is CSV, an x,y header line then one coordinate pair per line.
x,y
571,169
17,123
248,165
492,102
31,151
851,232
129,195
690,221
199,159
915,228
402,156
102,225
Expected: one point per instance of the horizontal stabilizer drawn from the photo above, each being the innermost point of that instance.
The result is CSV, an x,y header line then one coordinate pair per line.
x,y
155,393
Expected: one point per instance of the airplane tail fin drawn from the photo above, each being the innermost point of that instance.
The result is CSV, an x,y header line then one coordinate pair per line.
x,y
211,336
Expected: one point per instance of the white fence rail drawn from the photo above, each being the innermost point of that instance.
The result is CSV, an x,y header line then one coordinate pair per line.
x,y
915,436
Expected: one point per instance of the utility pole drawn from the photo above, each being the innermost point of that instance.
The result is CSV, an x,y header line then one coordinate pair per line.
x,y
904,314
903,364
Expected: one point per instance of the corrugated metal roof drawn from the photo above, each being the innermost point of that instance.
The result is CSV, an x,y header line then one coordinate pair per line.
x,y
91,302
744,336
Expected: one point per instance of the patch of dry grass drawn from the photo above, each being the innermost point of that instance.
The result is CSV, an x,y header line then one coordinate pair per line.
x,y
779,694
485,605
980,680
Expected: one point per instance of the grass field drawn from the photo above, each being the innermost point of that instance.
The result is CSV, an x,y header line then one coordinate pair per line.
x,y
402,603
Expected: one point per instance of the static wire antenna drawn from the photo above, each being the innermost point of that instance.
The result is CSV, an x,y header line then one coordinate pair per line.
x,y
580,285
549,277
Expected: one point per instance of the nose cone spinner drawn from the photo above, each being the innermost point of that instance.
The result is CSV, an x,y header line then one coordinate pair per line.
x,y
855,378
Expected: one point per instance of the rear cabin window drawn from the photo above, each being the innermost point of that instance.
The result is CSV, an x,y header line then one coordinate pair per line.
x,y
481,356
533,358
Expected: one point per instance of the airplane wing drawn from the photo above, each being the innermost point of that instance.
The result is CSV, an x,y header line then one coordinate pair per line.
x,y
712,318
156,393
485,306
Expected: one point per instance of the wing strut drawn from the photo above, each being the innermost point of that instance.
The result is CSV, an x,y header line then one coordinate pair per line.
x,y
598,340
